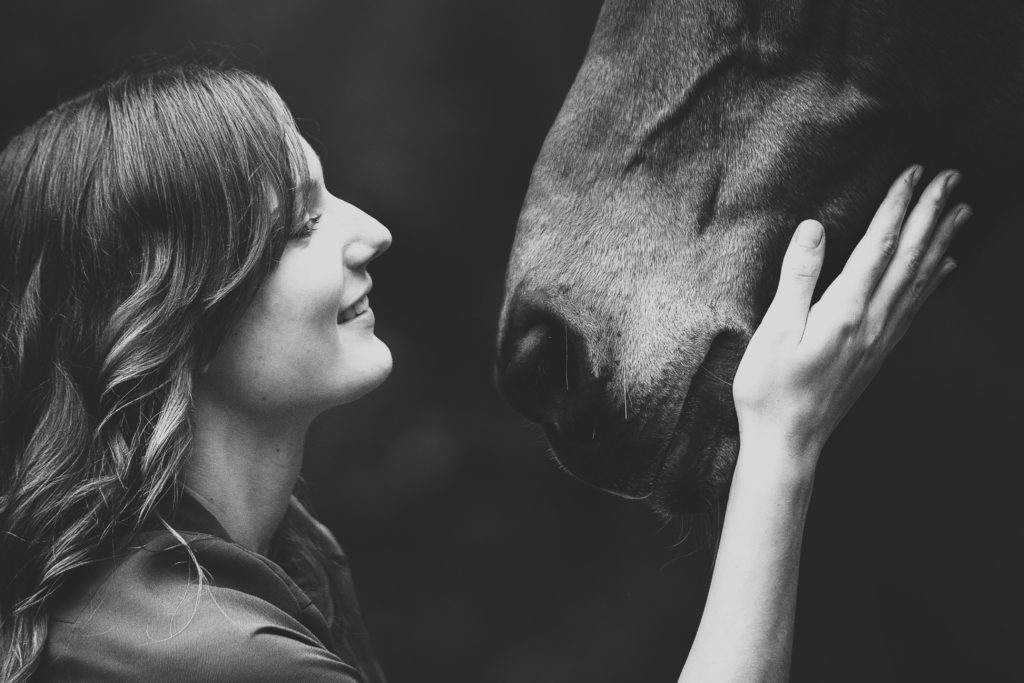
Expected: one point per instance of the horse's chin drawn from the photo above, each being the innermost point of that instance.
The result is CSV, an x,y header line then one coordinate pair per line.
x,y
690,476
695,478
684,467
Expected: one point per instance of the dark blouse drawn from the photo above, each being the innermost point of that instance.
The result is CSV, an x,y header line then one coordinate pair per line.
x,y
143,617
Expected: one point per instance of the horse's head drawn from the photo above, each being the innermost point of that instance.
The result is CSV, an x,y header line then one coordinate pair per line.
x,y
695,138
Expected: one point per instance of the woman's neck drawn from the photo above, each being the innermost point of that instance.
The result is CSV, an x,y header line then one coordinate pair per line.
x,y
243,467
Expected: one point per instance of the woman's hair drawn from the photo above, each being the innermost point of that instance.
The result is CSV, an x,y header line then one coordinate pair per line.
x,y
136,223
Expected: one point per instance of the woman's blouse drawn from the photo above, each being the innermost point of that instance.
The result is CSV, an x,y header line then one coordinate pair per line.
x,y
145,615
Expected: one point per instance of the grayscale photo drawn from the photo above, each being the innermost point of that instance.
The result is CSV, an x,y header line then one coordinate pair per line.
x,y
479,341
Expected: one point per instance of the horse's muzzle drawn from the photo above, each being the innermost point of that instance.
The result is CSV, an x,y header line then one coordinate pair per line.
x,y
686,426
543,372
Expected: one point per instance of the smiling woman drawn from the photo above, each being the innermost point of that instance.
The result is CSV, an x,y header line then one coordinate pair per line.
x,y
181,296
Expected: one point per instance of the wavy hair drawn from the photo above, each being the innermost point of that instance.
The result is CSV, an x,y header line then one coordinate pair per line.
x,y
136,223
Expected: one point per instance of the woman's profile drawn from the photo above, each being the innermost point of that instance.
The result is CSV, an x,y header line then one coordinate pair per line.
x,y
145,225
181,296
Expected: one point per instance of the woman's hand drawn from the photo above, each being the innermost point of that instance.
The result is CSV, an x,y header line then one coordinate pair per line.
x,y
803,369
806,365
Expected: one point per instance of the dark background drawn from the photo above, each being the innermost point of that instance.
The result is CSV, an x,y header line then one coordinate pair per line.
x,y
476,559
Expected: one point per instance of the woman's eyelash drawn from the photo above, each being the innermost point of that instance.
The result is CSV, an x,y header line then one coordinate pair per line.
x,y
307,228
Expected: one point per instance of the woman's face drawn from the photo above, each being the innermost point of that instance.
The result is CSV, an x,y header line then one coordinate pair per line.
x,y
307,342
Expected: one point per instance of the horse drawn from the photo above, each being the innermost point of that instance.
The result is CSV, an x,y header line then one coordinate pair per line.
x,y
696,135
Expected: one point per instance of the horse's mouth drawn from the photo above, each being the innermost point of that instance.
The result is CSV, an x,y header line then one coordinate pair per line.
x,y
605,451
679,460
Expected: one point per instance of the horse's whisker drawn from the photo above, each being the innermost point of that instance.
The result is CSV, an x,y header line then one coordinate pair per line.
x,y
714,376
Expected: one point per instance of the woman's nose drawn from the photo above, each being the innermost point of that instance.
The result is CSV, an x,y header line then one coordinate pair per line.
x,y
371,239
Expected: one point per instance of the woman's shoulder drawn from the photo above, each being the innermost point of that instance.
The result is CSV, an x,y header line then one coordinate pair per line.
x,y
205,609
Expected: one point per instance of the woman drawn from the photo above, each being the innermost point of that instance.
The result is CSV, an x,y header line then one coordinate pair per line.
x,y
182,296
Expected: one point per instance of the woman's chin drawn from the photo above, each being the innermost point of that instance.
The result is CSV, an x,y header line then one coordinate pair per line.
x,y
363,373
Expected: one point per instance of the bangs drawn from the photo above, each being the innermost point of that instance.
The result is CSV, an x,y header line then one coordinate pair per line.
x,y
287,187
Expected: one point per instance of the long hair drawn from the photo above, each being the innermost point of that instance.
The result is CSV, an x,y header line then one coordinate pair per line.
x,y
137,222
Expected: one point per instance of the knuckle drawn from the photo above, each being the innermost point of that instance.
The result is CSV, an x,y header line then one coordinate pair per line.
x,y
874,339
805,273
805,270
913,259
849,323
887,243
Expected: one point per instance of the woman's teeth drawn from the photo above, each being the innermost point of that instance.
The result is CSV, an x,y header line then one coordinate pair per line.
x,y
356,309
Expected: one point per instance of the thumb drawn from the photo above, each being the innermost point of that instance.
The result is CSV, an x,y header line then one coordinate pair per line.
x,y
800,269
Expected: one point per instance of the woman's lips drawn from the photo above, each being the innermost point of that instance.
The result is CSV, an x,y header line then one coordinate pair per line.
x,y
359,309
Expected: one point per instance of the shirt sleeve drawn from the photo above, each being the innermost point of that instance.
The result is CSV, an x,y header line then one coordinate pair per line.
x,y
238,637
219,635
269,655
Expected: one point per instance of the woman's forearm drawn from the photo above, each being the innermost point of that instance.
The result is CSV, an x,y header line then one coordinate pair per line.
x,y
746,632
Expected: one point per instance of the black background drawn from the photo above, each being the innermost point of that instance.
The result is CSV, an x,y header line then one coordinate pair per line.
x,y
477,560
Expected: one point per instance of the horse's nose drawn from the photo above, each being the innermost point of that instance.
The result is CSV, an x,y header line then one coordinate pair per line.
x,y
544,371
540,361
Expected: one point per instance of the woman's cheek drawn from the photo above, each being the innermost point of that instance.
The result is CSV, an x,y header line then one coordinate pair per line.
x,y
307,300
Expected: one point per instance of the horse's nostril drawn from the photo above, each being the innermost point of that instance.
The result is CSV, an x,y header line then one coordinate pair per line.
x,y
538,363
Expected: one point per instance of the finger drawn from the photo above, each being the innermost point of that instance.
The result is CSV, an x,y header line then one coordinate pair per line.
x,y
944,236
909,307
800,269
932,259
918,242
871,256
947,267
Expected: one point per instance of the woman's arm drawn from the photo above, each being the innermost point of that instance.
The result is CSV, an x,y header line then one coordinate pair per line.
x,y
803,369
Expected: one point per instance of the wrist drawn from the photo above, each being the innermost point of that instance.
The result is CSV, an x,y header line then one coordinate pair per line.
x,y
783,439
777,463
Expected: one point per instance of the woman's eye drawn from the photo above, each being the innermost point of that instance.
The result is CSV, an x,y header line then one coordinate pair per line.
x,y
307,228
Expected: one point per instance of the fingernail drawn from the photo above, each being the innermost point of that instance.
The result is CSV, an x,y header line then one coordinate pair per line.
x,y
952,180
809,234
915,174
962,215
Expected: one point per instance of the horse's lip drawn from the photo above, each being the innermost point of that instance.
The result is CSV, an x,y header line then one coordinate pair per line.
x,y
571,454
646,483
